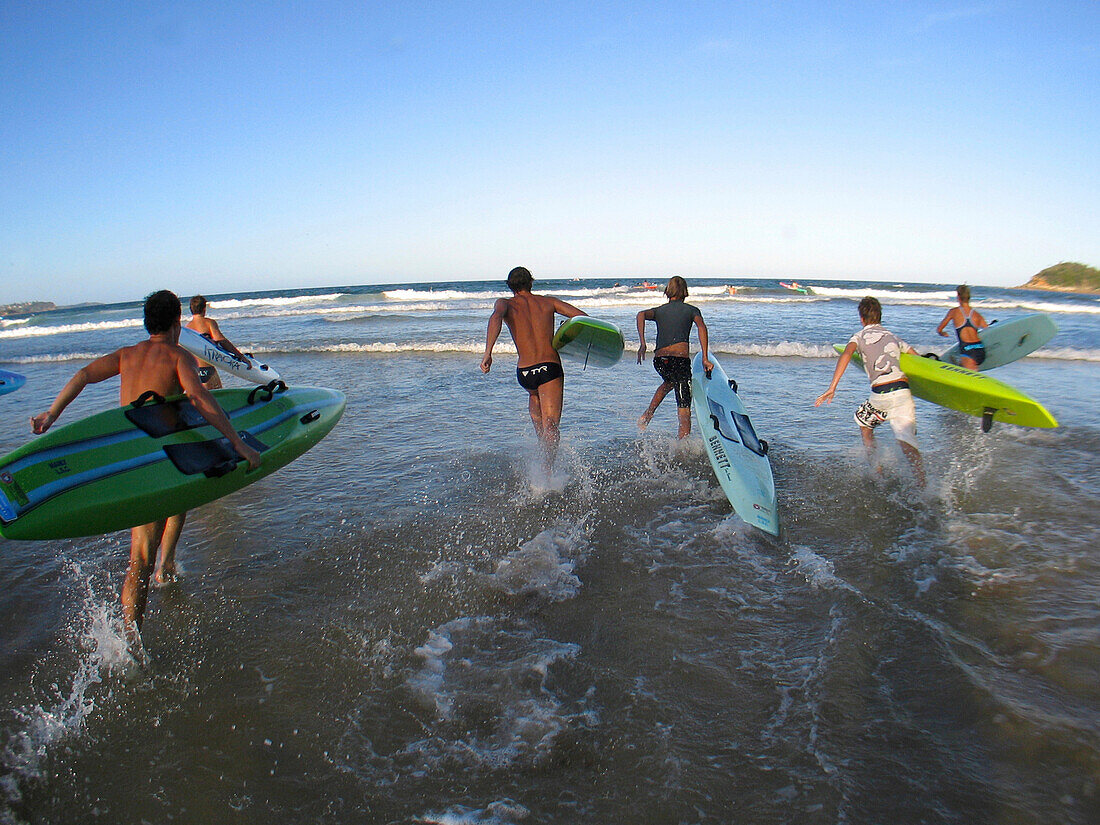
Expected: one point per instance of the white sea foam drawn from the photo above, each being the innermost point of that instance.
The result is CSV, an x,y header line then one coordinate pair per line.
x,y
234,303
474,665
64,329
51,358
817,570
543,566
64,714
501,812
419,295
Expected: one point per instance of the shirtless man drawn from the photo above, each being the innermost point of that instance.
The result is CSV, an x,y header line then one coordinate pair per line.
x,y
209,327
530,319
161,365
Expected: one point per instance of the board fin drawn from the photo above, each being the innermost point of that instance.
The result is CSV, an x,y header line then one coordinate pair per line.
x,y
987,419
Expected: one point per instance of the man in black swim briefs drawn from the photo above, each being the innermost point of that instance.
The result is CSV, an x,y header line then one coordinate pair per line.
x,y
530,319
671,357
531,378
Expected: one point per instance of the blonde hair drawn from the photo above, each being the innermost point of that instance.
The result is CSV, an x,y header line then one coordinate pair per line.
x,y
677,288
963,293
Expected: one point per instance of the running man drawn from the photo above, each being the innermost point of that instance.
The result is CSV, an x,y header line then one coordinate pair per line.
x,y
530,319
209,328
161,365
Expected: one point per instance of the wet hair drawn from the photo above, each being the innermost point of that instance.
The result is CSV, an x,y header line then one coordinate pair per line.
x,y
198,305
963,292
162,310
677,288
520,279
870,310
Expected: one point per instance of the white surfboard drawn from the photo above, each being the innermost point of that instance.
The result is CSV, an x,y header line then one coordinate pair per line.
x,y
739,458
210,353
1009,341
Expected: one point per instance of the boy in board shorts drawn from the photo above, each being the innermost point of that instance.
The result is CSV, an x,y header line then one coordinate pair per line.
x,y
530,319
161,365
890,399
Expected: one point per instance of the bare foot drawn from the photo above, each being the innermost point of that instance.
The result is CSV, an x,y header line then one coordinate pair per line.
x,y
643,422
163,578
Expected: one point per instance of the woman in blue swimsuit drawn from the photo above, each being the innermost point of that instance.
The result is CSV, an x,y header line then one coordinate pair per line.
x,y
671,357
967,322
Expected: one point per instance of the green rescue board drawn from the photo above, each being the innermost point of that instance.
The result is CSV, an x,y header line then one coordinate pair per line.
x,y
590,341
974,393
152,459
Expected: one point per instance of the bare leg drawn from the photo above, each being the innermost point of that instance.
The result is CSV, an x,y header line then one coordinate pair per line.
x,y
913,454
869,445
969,363
658,397
165,570
144,541
549,403
684,416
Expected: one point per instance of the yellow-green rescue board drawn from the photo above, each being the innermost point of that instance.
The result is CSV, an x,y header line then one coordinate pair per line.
x,y
973,393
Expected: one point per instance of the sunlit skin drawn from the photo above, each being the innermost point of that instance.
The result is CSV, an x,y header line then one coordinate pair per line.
x,y
209,327
957,317
161,365
530,319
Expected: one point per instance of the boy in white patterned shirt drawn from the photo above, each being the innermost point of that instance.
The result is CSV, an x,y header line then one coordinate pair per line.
x,y
890,400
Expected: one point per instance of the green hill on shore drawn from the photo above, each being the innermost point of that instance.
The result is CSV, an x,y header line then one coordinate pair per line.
x,y
1066,277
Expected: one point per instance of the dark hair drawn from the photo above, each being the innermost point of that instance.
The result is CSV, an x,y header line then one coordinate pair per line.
x,y
963,293
520,279
198,305
870,310
162,309
677,288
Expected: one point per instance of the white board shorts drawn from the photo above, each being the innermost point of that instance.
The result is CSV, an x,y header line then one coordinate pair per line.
x,y
901,413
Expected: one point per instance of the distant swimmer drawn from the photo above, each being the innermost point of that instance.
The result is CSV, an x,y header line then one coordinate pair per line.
x,y
161,365
731,290
209,328
890,400
530,319
672,356
967,322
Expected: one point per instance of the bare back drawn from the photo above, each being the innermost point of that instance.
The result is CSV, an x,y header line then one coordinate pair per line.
x,y
530,319
204,326
152,365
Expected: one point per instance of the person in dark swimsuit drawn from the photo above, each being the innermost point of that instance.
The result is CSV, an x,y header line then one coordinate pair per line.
x,y
671,358
530,319
967,322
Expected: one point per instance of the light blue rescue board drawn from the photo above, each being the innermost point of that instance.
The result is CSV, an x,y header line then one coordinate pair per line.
x,y
10,381
739,458
589,341
1009,341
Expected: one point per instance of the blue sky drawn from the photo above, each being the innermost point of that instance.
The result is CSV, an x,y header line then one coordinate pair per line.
x,y
235,146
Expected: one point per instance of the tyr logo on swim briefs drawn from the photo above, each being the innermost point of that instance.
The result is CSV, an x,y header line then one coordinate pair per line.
x,y
535,370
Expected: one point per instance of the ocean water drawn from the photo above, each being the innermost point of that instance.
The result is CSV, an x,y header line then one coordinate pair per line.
x,y
409,625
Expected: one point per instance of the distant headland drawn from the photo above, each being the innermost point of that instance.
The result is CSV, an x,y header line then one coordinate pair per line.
x,y
1066,277
27,307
